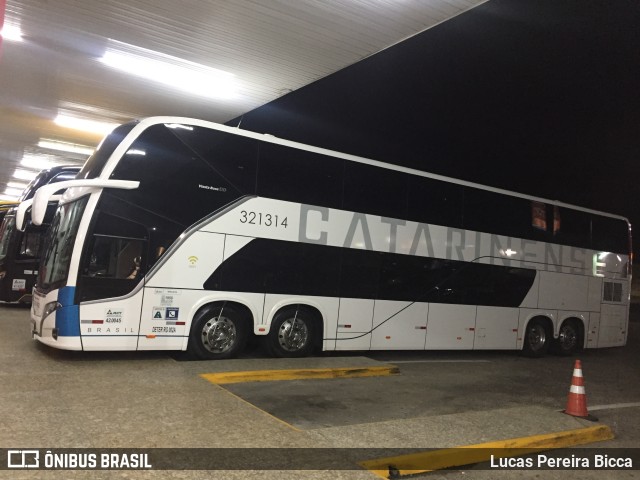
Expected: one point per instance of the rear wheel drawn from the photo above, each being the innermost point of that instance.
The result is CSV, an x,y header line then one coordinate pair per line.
x,y
216,333
292,333
569,338
537,338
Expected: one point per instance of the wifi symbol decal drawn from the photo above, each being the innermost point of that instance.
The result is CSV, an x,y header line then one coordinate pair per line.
x,y
192,260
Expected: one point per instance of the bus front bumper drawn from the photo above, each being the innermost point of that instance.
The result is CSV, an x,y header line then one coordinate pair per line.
x,y
44,328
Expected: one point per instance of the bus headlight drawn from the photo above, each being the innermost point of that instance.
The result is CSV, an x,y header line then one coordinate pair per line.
x,y
49,308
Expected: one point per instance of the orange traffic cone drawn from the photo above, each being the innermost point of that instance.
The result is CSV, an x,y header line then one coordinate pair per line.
x,y
577,399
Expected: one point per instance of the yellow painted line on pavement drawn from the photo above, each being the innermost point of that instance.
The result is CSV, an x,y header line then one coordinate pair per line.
x,y
428,461
298,374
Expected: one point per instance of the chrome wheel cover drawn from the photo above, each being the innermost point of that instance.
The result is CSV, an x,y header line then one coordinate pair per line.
x,y
219,335
567,337
537,337
293,335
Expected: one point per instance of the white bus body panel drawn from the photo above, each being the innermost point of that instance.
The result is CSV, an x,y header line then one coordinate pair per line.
x,y
560,291
594,294
450,327
613,326
250,219
355,320
192,263
496,328
593,332
406,330
112,324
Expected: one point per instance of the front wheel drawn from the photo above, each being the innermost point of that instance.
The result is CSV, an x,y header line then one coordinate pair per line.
x,y
537,339
217,333
292,333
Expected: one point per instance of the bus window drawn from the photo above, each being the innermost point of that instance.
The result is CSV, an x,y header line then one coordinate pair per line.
x,y
495,213
435,202
359,273
299,176
30,245
114,257
6,232
374,190
183,179
610,234
572,227
114,261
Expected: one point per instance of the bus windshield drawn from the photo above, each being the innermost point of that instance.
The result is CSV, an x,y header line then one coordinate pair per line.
x,y
59,244
6,231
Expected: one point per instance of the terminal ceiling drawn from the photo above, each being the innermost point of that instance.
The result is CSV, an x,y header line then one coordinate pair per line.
x,y
58,61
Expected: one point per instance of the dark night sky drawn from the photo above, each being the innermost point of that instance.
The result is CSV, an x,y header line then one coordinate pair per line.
x,y
536,96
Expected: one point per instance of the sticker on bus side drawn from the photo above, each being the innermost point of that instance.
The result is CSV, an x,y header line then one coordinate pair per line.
x,y
113,315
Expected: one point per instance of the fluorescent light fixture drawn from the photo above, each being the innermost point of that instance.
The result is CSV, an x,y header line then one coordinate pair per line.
x,y
65,146
37,162
19,185
24,174
11,32
175,72
9,198
84,124
14,192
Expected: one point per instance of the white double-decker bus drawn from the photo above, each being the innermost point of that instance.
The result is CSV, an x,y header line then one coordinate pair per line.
x,y
181,234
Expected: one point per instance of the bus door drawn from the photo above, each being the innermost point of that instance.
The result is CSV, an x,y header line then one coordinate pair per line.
x,y
111,284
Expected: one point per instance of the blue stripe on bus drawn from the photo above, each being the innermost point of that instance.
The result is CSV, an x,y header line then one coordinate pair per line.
x,y
68,316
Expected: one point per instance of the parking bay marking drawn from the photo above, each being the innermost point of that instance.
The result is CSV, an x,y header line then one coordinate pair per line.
x,y
223,378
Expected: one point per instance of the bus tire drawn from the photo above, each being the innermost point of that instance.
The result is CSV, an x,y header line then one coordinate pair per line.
x,y
569,339
217,333
292,333
537,338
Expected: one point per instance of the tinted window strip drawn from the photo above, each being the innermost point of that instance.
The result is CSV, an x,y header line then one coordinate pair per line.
x,y
279,267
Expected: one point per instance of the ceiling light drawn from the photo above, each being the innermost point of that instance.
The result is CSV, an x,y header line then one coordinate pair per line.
x,y
38,162
11,32
9,198
13,192
19,185
175,72
65,146
83,124
24,174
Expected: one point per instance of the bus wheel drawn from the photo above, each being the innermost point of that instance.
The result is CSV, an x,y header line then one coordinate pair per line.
x,y
536,339
217,333
291,333
569,337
